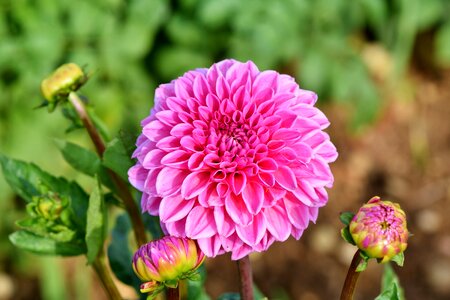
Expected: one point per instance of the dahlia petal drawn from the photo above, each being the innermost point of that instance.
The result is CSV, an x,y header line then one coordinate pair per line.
x,y
182,89
267,164
150,204
225,225
254,232
240,252
238,182
265,80
285,177
267,179
195,162
167,117
210,246
176,228
303,152
137,176
253,196
169,181
277,223
205,113
200,223
168,143
285,134
174,208
155,130
181,130
200,88
298,214
175,158
194,184
222,88
297,232
237,210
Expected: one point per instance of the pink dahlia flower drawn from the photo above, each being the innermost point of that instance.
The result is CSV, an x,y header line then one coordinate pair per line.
x,y
234,158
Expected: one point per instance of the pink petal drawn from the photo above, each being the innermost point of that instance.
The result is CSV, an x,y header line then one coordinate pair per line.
x,y
210,246
225,225
174,208
285,134
177,159
167,117
298,214
253,196
194,184
155,130
237,210
238,182
200,223
254,232
209,197
277,223
137,176
169,181
240,252
181,130
153,158
286,178
267,164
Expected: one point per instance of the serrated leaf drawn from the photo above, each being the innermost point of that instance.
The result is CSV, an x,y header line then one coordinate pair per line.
x,y
399,259
116,158
79,158
390,286
43,245
85,161
96,223
346,217
345,234
26,180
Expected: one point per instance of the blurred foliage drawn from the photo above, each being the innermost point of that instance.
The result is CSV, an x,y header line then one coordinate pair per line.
x,y
133,45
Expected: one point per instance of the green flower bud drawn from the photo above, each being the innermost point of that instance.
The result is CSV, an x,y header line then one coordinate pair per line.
x,y
67,78
379,229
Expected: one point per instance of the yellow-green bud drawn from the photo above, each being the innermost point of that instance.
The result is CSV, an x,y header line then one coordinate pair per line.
x,y
67,78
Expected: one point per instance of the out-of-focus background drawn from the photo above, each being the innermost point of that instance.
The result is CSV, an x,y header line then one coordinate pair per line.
x,y
382,72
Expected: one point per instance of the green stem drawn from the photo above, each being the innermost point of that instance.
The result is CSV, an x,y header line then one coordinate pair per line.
x,y
122,188
173,293
103,273
245,278
352,277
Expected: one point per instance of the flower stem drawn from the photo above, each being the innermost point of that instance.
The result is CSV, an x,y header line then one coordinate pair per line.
x,y
245,277
352,277
173,293
105,277
123,191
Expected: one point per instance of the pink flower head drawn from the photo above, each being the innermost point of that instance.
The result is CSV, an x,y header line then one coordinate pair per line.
x,y
165,262
379,229
234,158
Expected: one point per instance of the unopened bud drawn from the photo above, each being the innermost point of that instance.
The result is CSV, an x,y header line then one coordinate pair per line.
x,y
67,78
165,261
379,229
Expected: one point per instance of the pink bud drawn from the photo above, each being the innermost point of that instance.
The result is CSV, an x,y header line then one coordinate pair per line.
x,y
379,229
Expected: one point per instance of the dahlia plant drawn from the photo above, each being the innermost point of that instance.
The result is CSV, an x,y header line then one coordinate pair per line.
x,y
230,160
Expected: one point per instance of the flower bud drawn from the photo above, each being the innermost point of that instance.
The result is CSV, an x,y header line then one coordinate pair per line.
x,y
166,261
67,78
379,229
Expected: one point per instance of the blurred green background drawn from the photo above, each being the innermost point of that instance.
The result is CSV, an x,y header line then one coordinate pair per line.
x,y
358,55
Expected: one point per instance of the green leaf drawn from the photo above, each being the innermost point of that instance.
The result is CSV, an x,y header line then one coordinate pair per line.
x,y
196,288
346,217
345,233
27,180
79,158
119,253
362,266
117,159
390,286
96,223
42,245
85,161
229,296
399,259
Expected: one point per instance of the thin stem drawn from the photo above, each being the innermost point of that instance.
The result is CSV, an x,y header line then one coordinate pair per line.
x,y
245,278
173,294
352,277
106,279
123,191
